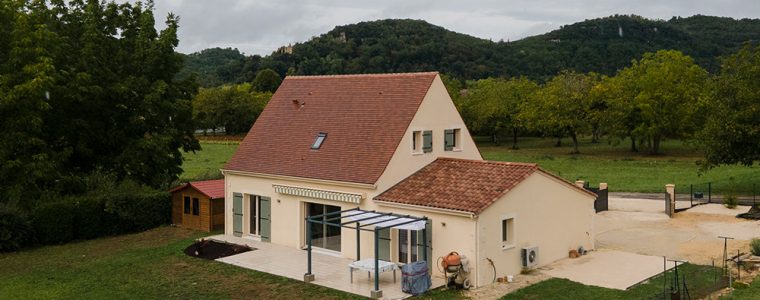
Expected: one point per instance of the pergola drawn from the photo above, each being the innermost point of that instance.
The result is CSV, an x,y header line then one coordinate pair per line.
x,y
362,220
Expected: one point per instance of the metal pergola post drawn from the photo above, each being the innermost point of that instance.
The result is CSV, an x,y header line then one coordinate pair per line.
x,y
308,277
424,242
377,263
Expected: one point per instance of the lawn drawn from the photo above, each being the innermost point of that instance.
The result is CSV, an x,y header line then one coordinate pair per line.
x,y
147,265
749,293
561,289
205,164
624,171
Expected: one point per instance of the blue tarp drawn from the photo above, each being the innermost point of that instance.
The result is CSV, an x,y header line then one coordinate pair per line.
x,y
415,278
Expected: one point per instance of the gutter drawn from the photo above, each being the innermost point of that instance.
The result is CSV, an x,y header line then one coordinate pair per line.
x,y
301,179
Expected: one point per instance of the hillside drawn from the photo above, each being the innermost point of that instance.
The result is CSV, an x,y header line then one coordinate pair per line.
x,y
601,45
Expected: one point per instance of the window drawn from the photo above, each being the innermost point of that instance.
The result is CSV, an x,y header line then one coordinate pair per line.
x,y
507,233
450,139
407,246
427,141
318,142
187,205
417,141
254,223
196,207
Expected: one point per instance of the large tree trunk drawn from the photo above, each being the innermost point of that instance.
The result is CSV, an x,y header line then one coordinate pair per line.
x,y
595,134
514,139
494,139
559,141
575,142
633,144
655,145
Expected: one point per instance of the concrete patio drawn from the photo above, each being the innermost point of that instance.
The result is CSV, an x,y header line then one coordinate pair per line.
x,y
329,271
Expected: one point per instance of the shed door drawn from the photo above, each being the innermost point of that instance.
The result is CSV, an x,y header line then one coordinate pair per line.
x,y
237,214
265,207
384,244
420,245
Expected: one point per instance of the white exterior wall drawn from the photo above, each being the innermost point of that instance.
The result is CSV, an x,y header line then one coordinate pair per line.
x,y
547,213
450,232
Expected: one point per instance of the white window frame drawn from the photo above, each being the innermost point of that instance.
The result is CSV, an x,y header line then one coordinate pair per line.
x,y
411,246
257,203
417,142
511,233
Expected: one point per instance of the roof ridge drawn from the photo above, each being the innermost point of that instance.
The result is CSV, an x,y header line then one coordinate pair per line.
x,y
510,163
361,75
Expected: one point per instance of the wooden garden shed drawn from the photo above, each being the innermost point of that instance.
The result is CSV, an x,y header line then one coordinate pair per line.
x,y
199,205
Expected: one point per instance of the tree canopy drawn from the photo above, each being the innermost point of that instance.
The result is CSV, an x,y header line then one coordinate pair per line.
x,y
86,86
233,107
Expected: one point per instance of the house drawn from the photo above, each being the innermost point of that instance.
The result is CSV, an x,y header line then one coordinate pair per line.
x,y
199,205
394,143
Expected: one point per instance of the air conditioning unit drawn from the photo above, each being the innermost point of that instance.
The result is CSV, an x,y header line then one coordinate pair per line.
x,y
529,257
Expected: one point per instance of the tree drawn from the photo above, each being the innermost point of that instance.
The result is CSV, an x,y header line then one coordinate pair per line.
x,y
731,132
562,105
233,107
655,98
89,86
266,80
496,105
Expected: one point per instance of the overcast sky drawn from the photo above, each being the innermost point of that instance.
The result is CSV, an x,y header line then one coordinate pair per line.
x,y
261,26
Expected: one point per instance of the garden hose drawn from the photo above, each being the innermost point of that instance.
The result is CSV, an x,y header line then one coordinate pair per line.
x,y
494,269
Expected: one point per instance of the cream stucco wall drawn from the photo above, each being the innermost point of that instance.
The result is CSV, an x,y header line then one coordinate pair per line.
x,y
437,113
547,213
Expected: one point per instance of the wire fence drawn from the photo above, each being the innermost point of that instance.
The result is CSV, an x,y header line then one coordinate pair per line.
x,y
689,283
718,191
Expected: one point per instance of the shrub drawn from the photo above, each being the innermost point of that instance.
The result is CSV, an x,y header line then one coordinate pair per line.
x,y
54,222
15,228
754,246
88,218
731,201
139,206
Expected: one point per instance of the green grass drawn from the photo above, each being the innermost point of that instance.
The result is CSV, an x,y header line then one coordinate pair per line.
x,y
206,163
148,265
624,171
751,292
561,289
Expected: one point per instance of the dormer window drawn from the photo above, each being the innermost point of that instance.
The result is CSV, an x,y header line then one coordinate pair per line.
x,y
318,142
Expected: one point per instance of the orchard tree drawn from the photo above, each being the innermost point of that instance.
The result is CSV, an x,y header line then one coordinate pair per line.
x,y
562,106
496,105
266,80
233,107
656,98
731,132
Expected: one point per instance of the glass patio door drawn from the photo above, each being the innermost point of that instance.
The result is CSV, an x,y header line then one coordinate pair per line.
x,y
323,236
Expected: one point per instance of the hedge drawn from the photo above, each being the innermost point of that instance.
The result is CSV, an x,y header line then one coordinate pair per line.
x,y
126,208
15,228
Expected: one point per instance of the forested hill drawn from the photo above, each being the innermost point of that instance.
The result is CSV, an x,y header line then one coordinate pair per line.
x,y
601,45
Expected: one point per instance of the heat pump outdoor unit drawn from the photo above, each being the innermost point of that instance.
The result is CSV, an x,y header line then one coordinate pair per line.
x,y
529,257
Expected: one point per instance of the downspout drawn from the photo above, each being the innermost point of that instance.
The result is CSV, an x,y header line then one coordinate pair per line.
x,y
477,250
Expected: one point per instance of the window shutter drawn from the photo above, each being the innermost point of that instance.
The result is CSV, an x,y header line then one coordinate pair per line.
x,y
427,141
448,139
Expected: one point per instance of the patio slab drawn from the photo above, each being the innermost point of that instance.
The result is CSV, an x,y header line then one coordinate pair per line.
x,y
329,271
607,268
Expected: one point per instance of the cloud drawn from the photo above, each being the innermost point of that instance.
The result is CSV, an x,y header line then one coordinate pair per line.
x,y
261,26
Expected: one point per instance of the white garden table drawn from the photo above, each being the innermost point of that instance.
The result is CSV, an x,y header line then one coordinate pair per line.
x,y
369,266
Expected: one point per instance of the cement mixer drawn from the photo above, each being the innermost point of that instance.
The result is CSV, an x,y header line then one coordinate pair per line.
x,y
457,270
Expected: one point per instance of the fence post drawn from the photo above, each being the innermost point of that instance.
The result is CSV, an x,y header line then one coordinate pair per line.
x,y
691,194
709,192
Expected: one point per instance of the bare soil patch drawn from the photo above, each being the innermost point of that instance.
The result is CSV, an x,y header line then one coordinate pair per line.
x,y
211,249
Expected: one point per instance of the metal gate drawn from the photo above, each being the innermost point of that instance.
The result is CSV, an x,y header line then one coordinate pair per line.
x,y
602,198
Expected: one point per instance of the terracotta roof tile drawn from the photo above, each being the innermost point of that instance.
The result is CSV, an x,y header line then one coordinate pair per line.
x,y
365,116
459,184
213,189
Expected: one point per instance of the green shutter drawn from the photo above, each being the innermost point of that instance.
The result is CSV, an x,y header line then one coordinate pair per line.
x,y
427,141
384,244
420,247
265,218
237,214
448,139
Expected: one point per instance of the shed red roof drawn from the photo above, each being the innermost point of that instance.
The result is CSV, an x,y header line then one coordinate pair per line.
x,y
213,189
459,184
364,117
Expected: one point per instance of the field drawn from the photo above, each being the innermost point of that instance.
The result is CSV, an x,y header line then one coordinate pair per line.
x,y
624,171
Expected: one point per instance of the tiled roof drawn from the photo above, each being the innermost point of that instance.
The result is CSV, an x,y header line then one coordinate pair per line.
x,y
364,117
459,184
213,189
